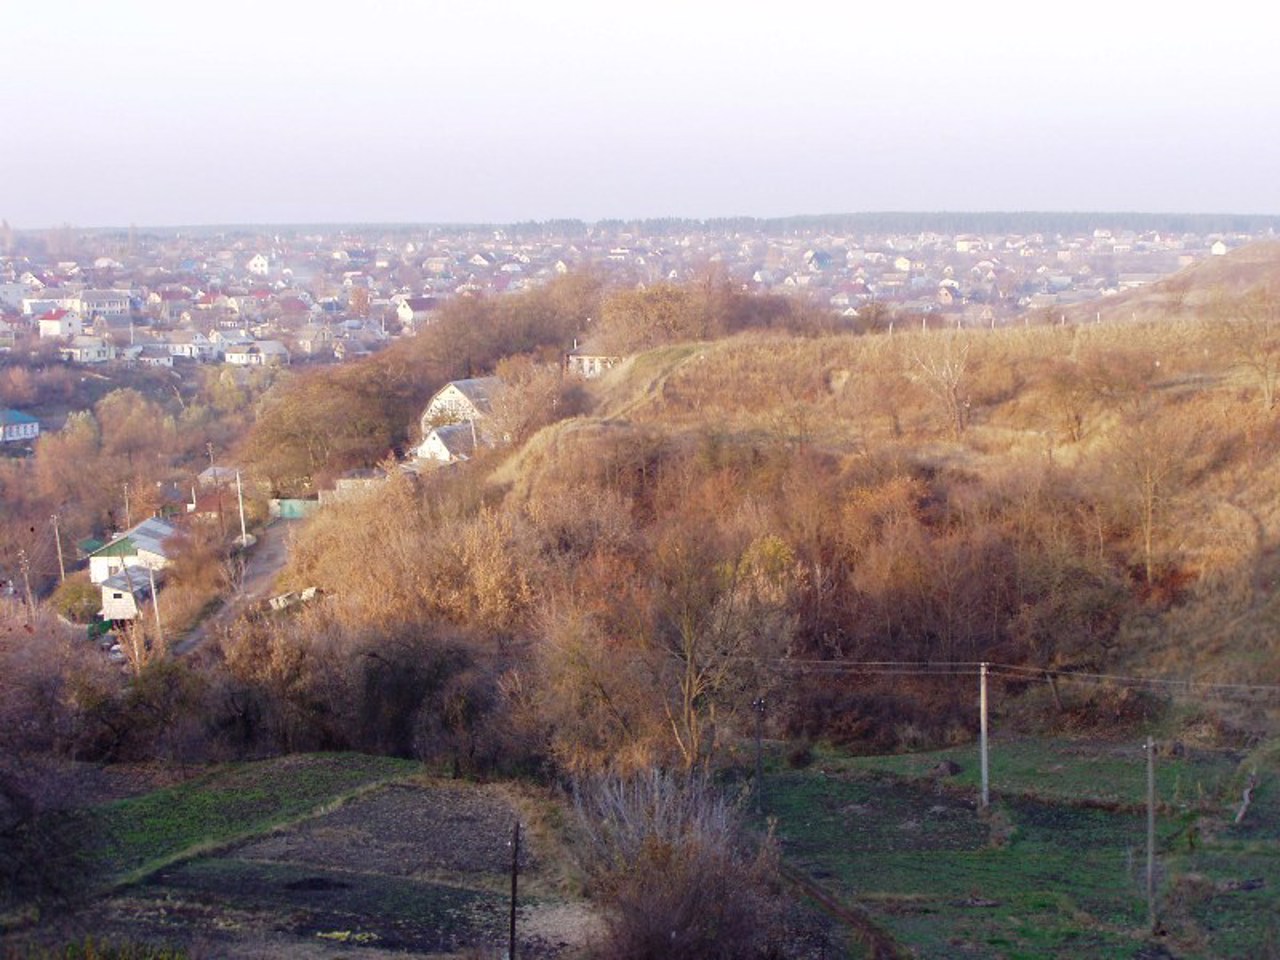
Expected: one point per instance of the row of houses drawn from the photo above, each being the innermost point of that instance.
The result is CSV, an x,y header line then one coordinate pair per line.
x,y
390,282
233,347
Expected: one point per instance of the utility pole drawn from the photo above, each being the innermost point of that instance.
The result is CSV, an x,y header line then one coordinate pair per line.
x,y
25,566
155,606
982,708
57,539
244,536
1151,833
759,704
128,520
515,873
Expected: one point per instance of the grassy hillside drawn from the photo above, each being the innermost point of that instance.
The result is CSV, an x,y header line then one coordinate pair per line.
x,y
1191,292
1091,406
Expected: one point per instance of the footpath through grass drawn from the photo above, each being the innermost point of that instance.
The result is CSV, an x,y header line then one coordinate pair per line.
x,y
1056,868
142,834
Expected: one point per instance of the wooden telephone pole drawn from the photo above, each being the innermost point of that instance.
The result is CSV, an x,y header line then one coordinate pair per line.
x,y
982,710
515,874
1151,833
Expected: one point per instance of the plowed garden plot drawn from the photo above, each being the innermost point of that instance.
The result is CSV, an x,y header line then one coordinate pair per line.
x,y
418,868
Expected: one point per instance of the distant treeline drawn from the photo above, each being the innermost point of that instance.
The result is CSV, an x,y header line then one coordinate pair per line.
x,y
903,222
991,222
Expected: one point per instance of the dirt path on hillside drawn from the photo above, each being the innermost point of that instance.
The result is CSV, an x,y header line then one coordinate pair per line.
x,y
265,561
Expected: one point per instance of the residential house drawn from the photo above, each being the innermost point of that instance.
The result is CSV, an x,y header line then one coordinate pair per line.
x,y
191,344
460,401
88,350
225,339
413,312
50,300
124,593
117,329
59,324
315,340
104,303
212,506
589,365
8,336
215,476
144,545
17,427
449,443
260,353
154,355
12,295
258,265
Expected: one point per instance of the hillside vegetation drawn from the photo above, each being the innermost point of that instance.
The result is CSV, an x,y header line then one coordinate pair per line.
x,y
1092,497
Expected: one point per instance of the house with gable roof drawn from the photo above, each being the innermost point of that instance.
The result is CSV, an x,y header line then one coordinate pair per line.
x,y
85,349
124,593
460,401
58,324
449,443
259,353
449,431
143,546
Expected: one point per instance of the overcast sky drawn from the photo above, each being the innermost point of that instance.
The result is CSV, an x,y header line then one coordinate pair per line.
x,y
181,112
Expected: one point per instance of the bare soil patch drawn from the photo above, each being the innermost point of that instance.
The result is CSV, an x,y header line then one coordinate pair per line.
x,y
420,870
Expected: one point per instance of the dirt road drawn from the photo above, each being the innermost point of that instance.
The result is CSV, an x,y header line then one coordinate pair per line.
x,y
265,560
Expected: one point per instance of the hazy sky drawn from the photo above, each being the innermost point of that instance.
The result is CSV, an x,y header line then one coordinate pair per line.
x,y
182,112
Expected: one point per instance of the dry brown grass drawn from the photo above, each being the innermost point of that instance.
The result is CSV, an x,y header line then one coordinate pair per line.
x,y
1040,398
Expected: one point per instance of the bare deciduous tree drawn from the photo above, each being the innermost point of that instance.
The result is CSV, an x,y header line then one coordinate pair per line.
x,y
941,365
1251,325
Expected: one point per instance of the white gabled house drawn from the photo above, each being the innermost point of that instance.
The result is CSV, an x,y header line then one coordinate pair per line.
x,y
124,593
454,423
260,353
86,349
224,339
143,546
191,344
450,443
459,401
59,324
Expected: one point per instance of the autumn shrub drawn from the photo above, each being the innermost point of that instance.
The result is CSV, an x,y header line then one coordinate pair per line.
x,y
77,599
678,877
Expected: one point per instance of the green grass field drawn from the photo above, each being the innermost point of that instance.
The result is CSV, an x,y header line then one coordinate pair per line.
x,y
1056,868
143,833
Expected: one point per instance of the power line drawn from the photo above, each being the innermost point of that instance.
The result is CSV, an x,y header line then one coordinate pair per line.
x,y
963,668
1028,673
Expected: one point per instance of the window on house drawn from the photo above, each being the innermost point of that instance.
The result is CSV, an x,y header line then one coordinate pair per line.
x,y
117,596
